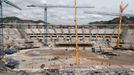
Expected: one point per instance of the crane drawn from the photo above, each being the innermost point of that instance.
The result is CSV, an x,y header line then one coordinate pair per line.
x,y
1,22
45,7
122,8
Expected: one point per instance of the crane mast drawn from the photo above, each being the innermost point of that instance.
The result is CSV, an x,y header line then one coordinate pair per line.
x,y
1,29
76,33
122,8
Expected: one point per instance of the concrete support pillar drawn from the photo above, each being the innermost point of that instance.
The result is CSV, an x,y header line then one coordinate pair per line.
x,y
62,30
90,32
54,28
97,35
70,37
104,36
83,33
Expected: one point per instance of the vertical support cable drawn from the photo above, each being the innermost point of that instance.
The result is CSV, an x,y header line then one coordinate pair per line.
x,y
76,32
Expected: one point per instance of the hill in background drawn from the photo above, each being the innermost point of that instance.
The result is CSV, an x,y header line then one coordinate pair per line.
x,y
18,20
125,20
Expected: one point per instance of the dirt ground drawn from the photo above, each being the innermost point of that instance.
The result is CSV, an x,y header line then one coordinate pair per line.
x,y
34,58
124,58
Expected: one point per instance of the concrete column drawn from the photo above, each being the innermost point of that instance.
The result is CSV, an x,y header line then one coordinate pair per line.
x,y
70,34
55,32
104,36
97,34
54,29
64,37
62,30
83,33
90,32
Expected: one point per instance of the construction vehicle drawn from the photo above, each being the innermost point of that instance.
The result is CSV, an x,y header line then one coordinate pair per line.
x,y
11,63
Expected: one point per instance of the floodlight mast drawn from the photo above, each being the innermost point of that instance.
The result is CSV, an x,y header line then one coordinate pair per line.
x,y
1,23
45,7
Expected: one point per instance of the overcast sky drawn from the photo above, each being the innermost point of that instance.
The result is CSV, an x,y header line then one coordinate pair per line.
x,y
66,16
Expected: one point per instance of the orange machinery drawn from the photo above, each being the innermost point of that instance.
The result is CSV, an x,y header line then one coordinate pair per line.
x,y
122,8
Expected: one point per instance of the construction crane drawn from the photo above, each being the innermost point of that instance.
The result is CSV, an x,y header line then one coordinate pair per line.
x,y
45,7
1,23
122,9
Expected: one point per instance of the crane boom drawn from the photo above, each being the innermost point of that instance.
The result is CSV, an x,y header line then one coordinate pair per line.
x,y
10,3
59,6
108,13
102,13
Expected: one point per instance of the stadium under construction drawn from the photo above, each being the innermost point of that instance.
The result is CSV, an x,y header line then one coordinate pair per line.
x,y
48,49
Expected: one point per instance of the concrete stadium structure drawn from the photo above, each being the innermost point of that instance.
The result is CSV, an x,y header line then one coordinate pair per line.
x,y
64,34
97,57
